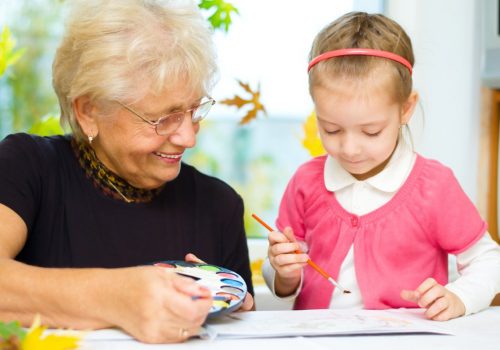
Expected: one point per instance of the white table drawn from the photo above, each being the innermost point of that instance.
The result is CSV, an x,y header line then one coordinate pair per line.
x,y
475,332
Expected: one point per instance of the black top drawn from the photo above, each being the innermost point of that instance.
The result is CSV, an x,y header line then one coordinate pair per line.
x,y
71,223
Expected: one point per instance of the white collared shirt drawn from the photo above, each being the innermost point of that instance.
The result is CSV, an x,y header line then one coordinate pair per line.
x,y
360,198
478,266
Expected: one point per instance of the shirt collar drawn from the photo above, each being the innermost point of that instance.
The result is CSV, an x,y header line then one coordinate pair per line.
x,y
390,179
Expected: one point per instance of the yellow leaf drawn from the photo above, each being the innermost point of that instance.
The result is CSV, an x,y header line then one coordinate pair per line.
x,y
251,114
245,87
240,102
235,101
256,267
35,340
311,140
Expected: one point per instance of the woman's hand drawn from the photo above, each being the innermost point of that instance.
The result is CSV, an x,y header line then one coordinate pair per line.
x,y
190,257
284,259
439,302
248,302
155,305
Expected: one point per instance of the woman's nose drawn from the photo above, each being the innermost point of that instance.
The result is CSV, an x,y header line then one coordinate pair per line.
x,y
185,135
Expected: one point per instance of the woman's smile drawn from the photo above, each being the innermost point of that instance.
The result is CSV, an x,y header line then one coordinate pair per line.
x,y
169,158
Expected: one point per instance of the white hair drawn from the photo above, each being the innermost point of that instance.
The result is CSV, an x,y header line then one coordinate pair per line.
x,y
124,49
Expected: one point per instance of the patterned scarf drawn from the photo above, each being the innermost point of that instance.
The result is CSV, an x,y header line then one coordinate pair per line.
x,y
105,180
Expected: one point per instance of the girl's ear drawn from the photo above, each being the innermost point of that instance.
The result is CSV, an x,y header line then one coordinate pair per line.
x,y
85,113
408,107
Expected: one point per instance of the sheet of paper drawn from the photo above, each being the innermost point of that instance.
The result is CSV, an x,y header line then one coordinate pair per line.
x,y
322,323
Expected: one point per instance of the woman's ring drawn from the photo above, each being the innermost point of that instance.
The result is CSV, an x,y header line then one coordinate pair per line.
x,y
183,333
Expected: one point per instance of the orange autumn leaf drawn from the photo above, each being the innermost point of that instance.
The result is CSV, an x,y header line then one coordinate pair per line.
x,y
253,100
311,140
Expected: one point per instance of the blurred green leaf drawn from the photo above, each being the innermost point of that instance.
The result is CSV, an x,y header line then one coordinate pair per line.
x,y
47,126
221,17
38,27
8,329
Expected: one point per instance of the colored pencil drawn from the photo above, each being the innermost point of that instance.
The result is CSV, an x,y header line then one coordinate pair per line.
x,y
309,261
213,297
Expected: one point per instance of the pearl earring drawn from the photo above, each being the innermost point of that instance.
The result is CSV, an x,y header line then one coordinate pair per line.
x,y
91,138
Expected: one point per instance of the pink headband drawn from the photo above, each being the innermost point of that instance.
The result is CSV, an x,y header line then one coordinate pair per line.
x,y
360,52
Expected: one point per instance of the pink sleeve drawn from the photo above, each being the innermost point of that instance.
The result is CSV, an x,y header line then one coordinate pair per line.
x,y
456,222
291,211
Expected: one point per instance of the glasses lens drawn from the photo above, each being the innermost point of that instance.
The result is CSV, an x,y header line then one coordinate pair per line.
x,y
170,123
202,110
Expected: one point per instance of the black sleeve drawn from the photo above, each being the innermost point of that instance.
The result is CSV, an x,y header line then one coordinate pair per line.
x,y
236,256
20,176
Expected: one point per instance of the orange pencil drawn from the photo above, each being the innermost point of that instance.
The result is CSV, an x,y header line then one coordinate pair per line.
x,y
309,261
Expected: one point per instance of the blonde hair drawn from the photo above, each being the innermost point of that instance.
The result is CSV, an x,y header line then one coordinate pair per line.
x,y
125,49
363,30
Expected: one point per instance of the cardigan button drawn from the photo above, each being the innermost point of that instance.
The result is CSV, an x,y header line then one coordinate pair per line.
x,y
354,221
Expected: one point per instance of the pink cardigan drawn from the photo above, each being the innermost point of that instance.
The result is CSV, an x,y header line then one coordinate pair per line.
x,y
396,246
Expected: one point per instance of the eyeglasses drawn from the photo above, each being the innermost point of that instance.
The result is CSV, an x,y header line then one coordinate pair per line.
x,y
167,124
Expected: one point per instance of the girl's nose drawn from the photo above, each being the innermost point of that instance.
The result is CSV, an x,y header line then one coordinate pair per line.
x,y
185,135
350,146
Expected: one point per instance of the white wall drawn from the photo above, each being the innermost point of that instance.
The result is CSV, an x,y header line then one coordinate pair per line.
x,y
447,42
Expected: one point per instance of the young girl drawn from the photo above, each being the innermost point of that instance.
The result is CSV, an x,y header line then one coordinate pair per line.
x,y
379,218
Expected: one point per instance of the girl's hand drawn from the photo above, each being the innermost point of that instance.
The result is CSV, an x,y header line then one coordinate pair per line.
x,y
248,302
284,259
439,302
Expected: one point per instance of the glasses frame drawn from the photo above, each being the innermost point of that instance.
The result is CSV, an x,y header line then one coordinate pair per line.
x,y
155,124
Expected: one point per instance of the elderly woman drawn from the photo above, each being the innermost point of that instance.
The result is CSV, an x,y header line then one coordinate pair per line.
x,y
83,215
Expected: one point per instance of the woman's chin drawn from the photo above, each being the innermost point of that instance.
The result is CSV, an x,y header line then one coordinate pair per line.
x,y
159,181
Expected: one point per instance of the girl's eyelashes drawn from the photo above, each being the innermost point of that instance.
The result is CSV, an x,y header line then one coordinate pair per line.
x,y
373,134
370,134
